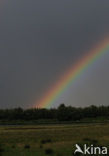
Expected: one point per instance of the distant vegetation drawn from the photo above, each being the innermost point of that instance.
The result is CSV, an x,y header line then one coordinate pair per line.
x,y
62,113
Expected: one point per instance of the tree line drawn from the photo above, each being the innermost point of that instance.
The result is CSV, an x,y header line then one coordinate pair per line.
x,y
62,113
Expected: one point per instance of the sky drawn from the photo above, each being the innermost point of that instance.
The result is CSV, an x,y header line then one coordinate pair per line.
x,y
40,40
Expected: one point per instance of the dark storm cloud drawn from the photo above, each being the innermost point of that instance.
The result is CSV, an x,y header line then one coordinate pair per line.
x,y
40,39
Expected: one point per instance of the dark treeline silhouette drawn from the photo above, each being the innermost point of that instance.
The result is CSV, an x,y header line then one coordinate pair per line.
x,y
62,113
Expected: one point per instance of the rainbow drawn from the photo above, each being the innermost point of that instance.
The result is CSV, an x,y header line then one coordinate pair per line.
x,y
71,75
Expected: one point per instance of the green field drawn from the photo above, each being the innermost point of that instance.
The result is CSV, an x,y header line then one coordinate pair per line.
x,y
55,140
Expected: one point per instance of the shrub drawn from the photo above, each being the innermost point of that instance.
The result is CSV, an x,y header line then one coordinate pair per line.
x,y
27,146
41,146
49,151
46,141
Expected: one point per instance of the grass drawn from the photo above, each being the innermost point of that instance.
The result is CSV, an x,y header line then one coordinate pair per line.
x,y
56,140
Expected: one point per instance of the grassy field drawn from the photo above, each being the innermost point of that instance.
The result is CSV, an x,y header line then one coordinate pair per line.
x,y
54,140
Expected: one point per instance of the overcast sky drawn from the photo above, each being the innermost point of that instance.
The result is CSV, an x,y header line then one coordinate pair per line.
x,y
41,39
